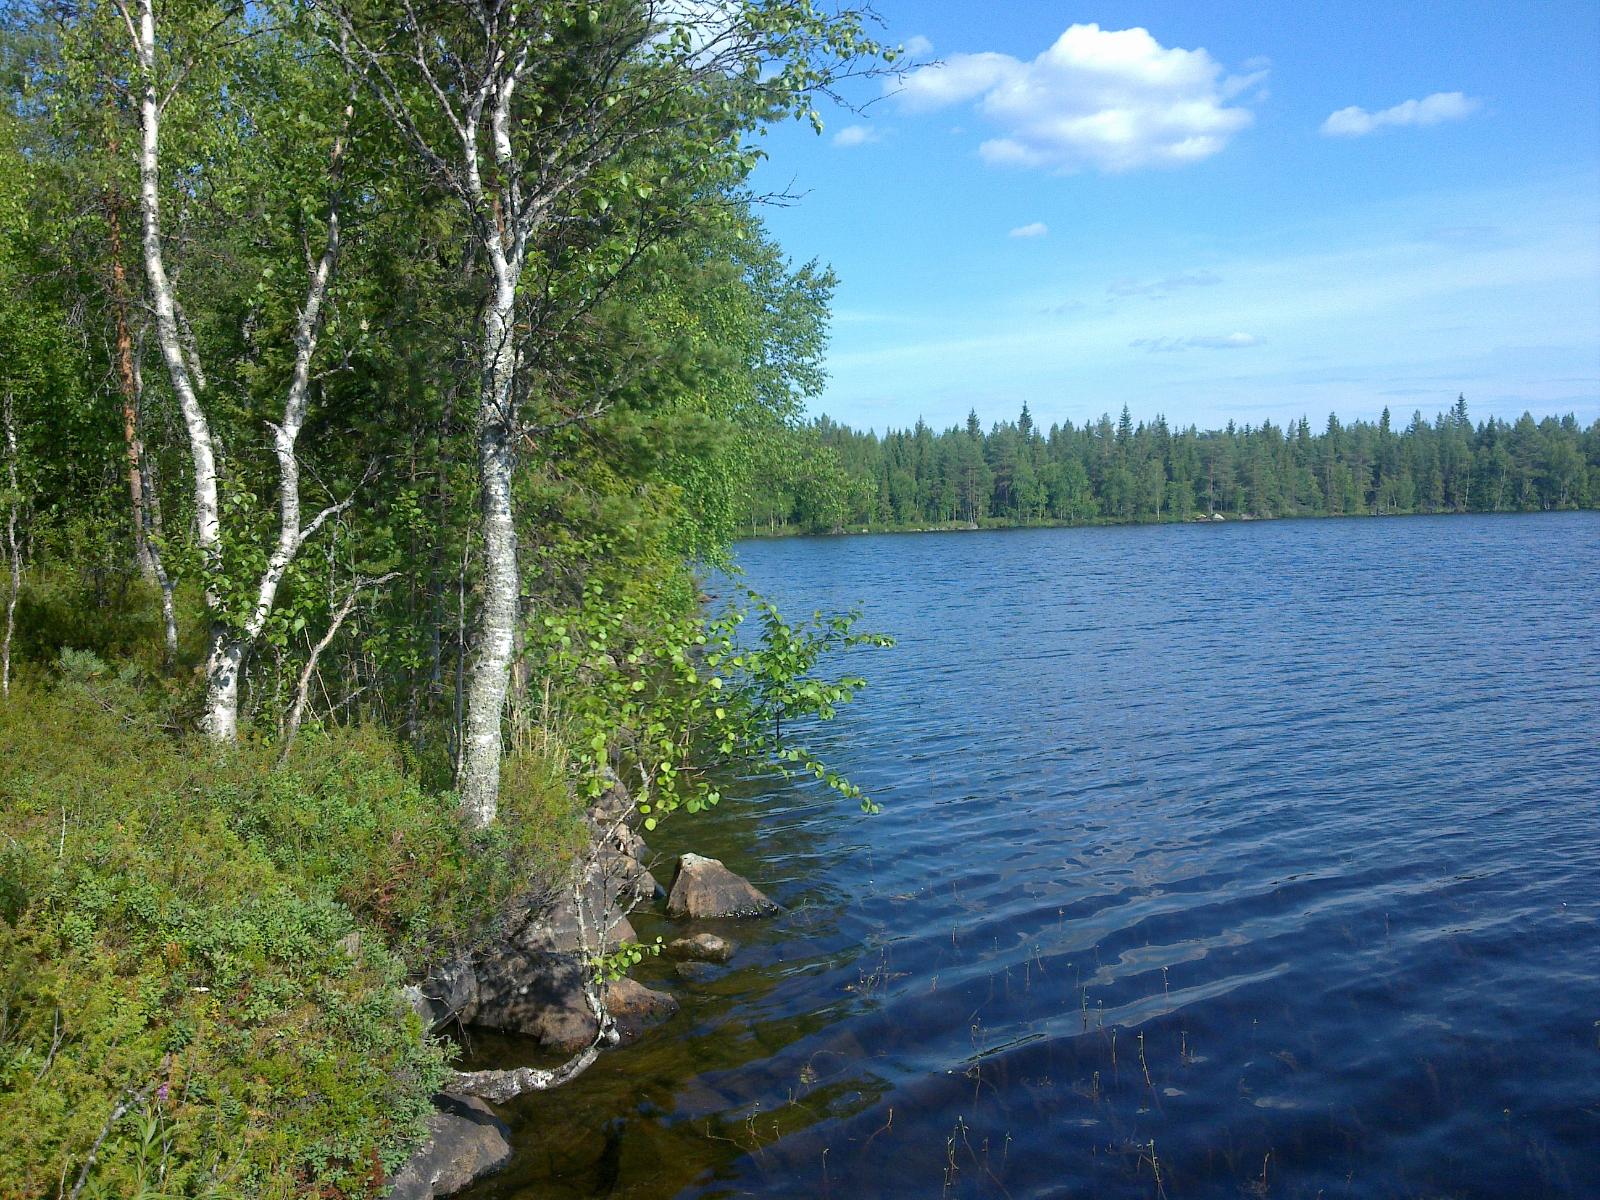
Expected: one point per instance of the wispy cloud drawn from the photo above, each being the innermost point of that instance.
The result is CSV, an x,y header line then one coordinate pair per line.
x,y
1430,110
1169,345
1036,229
855,135
1163,287
1115,100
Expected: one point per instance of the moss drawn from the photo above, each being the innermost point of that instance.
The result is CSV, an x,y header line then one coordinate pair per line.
x,y
172,921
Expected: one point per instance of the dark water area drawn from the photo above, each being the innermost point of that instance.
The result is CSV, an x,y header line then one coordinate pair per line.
x,y
1246,860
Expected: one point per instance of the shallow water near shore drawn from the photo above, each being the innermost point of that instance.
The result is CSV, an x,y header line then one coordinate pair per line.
x,y
1243,860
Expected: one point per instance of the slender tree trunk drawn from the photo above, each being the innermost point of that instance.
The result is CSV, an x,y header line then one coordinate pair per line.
x,y
152,513
220,718
128,383
230,641
302,691
13,545
483,736
154,533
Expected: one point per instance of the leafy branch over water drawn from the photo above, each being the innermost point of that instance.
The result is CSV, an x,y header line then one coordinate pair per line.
x,y
688,699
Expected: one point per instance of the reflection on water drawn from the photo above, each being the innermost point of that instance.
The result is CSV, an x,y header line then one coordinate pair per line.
x,y
1256,860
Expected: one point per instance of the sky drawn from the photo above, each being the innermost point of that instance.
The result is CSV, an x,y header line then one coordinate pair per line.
x,y
1212,212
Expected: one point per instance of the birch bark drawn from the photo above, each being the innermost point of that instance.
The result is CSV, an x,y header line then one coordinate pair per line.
x,y
13,543
220,718
231,640
483,738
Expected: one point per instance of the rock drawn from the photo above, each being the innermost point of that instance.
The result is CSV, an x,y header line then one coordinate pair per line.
x,y
449,993
350,943
538,995
696,972
706,947
541,996
612,802
559,931
704,888
466,1141
635,1007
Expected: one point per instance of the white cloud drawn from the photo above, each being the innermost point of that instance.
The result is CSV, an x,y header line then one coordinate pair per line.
x,y
1169,345
855,135
1430,110
918,47
1115,100
1036,229
1228,341
1163,287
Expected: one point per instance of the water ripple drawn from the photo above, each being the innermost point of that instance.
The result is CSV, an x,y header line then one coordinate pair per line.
x,y
1264,857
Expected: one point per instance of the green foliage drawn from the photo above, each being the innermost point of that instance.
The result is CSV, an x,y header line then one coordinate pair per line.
x,y
678,698
100,606
179,922
832,477
614,966
174,923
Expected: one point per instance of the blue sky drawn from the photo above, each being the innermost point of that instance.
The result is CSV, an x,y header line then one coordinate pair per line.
x,y
1210,211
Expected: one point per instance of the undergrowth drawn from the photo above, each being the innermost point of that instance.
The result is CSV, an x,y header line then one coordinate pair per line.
x,y
175,940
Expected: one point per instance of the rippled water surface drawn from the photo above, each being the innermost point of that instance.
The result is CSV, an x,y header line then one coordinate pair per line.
x,y
1248,860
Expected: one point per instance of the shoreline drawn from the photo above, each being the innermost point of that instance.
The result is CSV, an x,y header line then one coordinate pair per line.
x,y
989,525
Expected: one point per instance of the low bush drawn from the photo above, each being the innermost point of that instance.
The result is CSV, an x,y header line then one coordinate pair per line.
x,y
175,943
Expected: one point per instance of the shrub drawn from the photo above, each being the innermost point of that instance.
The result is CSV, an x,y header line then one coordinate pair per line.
x,y
174,933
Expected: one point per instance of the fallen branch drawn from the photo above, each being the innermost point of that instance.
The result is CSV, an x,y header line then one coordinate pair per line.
x,y
501,1086
130,1100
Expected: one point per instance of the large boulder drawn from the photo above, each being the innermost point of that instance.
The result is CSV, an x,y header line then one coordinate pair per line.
x,y
466,1141
535,994
705,889
541,996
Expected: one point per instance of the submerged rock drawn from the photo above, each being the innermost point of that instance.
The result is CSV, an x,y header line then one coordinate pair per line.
x,y
704,947
466,1141
704,889
635,1007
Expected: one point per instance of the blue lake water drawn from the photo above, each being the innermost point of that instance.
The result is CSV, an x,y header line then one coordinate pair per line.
x,y
1242,860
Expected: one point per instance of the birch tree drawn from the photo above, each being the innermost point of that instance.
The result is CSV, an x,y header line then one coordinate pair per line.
x,y
13,537
235,627
546,120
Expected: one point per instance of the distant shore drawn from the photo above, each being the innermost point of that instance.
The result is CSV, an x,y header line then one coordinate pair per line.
x,y
787,531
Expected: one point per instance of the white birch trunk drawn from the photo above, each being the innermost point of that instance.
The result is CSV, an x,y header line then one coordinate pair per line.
x,y
220,718
13,545
230,643
478,780
483,736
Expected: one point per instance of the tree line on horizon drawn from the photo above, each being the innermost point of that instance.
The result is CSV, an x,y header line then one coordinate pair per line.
x,y
834,477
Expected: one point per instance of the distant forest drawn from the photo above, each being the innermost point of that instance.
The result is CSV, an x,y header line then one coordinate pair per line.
x,y
833,477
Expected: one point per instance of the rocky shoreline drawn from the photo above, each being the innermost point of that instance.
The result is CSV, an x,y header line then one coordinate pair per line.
x,y
535,978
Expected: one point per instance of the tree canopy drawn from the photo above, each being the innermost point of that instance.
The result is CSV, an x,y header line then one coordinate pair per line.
x,y
829,476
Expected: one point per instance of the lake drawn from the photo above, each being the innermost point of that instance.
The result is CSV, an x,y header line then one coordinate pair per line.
x,y
1256,859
